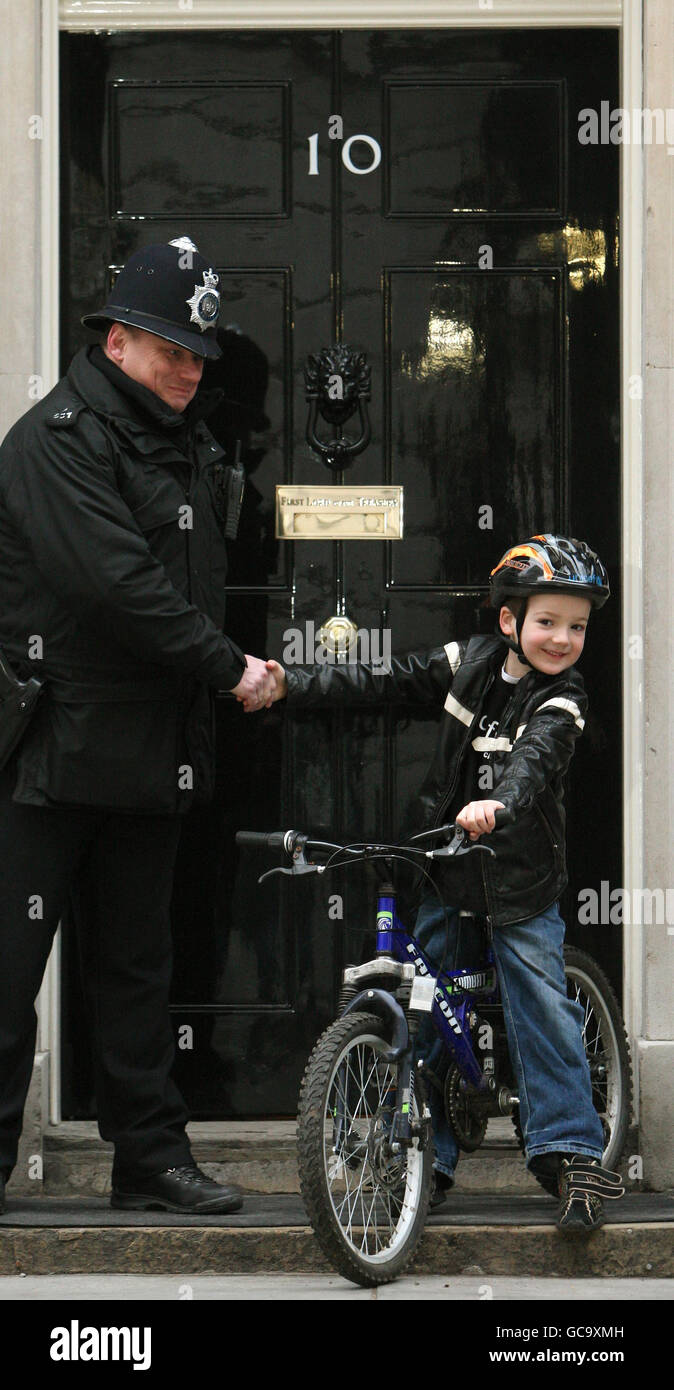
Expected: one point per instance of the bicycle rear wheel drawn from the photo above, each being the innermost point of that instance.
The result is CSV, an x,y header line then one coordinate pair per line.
x,y
367,1206
606,1049
607,1052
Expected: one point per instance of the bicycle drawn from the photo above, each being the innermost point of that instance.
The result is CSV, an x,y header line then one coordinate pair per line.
x,y
363,1124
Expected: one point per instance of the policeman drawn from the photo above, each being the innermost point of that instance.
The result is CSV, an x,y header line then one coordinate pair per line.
x,y
112,576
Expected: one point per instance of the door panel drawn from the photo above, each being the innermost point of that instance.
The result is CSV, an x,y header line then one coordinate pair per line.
x,y
456,413
476,266
474,147
171,141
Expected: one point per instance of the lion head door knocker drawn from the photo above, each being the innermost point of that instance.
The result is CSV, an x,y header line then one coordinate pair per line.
x,y
337,381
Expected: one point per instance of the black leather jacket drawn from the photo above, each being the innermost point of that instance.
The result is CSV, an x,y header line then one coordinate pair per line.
x,y
112,590
529,756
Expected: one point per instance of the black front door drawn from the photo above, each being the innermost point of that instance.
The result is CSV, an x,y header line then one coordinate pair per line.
x,y
422,196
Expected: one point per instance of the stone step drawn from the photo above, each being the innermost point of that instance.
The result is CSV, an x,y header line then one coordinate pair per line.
x,y
259,1156
478,1236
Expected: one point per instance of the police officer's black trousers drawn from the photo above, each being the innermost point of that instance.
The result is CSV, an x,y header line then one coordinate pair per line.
x,y
119,870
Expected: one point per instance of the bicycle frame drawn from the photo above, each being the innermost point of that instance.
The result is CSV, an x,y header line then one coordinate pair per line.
x,y
449,1018
450,1015
402,961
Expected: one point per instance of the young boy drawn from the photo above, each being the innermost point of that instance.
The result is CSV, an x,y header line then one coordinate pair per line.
x,y
511,722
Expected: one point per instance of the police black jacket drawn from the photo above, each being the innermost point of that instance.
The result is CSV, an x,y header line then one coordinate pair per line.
x,y
529,756
112,575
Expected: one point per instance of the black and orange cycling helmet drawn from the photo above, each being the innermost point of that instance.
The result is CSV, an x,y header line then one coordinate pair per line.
x,y
546,563
552,563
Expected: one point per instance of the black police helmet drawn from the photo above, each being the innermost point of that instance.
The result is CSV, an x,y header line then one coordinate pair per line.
x,y
170,291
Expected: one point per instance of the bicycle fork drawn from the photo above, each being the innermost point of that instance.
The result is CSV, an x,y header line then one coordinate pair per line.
x,y
404,1127
392,1114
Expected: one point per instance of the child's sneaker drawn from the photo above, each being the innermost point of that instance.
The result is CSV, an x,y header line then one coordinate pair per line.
x,y
583,1183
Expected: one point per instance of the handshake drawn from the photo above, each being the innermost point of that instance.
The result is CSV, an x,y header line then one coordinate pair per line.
x,y
262,683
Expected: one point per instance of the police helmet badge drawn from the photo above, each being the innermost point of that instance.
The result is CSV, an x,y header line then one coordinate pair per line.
x,y
185,243
205,302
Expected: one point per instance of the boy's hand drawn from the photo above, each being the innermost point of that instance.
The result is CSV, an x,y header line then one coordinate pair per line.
x,y
478,817
279,678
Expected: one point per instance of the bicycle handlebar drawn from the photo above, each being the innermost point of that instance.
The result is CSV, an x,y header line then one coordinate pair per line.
x,y
293,843
260,839
501,818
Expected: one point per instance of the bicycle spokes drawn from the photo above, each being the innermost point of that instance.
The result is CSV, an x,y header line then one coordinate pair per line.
x,y
367,1179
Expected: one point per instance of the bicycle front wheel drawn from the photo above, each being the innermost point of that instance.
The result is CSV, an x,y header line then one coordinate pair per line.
x,y
367,1205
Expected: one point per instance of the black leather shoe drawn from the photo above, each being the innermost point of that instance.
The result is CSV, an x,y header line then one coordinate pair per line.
x,y
583,1183
184,1189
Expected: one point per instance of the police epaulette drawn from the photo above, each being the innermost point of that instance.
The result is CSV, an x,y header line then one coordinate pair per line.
x,y
65,416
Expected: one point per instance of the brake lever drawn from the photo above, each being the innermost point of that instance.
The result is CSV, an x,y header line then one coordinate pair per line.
x,y
300,863
459,844
297,869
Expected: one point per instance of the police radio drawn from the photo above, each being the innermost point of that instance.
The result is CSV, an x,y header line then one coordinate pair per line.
x,y
230,482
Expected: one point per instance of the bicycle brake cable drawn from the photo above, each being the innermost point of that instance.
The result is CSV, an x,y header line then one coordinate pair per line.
x,y
402,858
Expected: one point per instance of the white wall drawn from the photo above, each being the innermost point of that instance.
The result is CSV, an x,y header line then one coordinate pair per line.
x,y
655,1049
20,158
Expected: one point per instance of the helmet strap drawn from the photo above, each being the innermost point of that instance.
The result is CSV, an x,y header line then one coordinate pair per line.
x,y
515,643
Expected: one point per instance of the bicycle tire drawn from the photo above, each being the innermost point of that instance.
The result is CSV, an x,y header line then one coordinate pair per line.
x,y
368,1209
608,1054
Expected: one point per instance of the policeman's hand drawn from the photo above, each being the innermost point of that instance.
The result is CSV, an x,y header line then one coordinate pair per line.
x,y
279,678
478,817
255,690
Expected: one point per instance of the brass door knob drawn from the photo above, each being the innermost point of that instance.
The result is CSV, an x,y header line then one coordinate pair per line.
x,y
339,635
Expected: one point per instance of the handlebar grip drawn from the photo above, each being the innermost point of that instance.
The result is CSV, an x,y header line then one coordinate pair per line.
x,y
503,817
256,839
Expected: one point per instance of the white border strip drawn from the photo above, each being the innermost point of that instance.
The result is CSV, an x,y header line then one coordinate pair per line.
x,y
453,706
631,273
349,14
569,705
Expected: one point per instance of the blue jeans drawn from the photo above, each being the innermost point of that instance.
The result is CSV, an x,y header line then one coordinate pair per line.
x,y
544,1035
